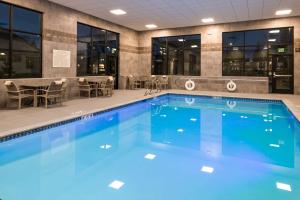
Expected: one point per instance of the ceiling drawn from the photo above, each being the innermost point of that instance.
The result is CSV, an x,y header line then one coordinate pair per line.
x,y
180,13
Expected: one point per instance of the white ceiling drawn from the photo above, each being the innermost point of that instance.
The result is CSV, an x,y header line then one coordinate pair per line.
x,y
180,13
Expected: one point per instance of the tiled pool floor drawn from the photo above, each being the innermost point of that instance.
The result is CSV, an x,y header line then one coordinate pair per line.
x,y
13,121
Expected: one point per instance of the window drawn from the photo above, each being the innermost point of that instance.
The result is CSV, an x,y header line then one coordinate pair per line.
x,y
97,51
176,55
20,42
248,53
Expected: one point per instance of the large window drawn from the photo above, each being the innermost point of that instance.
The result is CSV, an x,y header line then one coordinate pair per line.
x,y
176,55
20,42
249,53
97,51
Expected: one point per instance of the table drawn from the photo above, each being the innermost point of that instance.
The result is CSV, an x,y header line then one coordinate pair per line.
x,y
35,88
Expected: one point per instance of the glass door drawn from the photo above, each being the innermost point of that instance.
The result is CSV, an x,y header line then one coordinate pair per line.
x,y
281,59
282,74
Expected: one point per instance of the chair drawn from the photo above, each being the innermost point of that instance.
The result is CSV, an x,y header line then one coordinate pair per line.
x,y
15,93
163,82
85,86
64,88
54,92
106,87
133,83
151,83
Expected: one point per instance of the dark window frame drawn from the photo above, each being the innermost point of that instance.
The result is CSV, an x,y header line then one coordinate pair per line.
x,y
10,47
167,54
244,48
90,53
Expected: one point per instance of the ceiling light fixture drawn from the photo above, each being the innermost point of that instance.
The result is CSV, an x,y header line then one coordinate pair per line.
x,y
151,26
283,12
208,20
118,12
274,31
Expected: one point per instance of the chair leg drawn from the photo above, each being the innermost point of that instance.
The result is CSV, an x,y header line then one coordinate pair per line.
x,y
20,103
7,102
46,102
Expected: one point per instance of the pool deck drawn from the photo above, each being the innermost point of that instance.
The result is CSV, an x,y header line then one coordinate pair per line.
x,y
14,121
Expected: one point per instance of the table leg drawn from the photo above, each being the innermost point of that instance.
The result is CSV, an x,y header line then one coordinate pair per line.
x,y
35,98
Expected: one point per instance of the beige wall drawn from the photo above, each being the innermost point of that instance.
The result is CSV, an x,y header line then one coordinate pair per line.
x,y
211,44
60,28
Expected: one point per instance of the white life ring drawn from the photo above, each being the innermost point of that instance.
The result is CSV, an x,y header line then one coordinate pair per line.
x,y
189,101
231,104
231,86
190,85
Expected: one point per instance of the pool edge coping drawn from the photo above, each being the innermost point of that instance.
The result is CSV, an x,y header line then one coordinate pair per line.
x,y
28,130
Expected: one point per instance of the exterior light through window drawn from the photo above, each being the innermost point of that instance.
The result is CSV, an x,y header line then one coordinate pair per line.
x,y
274,31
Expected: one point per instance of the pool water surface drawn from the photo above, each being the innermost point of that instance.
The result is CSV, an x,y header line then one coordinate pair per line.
x,y
169,147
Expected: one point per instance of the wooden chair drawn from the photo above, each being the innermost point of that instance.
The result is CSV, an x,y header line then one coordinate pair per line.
x,y
53,92
15,93
64,88
106,87
133,83
151,83
85,86
163,82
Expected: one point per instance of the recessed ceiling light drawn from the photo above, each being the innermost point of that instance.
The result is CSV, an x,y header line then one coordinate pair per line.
x,y
208,20
150,26
116,184
283,12
283,186
150,156
207,169
118,12
274,31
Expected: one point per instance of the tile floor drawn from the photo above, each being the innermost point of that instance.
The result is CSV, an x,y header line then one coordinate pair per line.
x,y
13,121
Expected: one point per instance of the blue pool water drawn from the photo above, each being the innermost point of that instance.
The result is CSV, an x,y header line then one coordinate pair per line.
x,y
171,147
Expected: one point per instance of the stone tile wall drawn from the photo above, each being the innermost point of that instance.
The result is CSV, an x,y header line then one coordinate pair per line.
x,y
211,46
60,29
